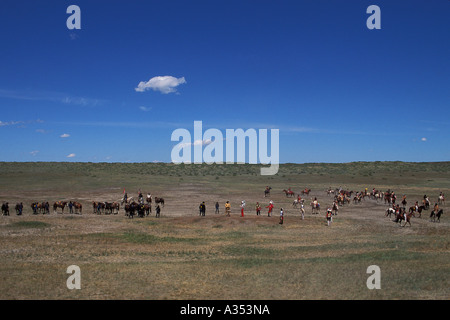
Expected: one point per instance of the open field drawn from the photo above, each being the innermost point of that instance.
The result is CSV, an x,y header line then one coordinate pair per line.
x,y
184,256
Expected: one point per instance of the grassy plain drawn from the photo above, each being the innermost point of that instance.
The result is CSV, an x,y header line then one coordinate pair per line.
x,y
184,256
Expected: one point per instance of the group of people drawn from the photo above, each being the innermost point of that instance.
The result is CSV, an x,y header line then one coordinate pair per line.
x,y
202,209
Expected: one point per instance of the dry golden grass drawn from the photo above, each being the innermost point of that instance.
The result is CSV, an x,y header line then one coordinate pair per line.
x,y
184,256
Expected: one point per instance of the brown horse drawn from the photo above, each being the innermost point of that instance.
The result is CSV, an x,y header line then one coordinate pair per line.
x,y
403,216
159,200
288,193
437,215
59,204
78,207
387,197
112,207
335,208
413,209
5,209
306,191
43,207
98,207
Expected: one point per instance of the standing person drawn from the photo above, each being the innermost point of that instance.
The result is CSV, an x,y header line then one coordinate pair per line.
x,y
217,207
158,211
258,209
270,206
281,216
302,209
202,208
242,207
20,208
70,207
329,216
228,208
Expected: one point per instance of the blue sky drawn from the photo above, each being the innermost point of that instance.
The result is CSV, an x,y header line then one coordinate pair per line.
x,y
337,91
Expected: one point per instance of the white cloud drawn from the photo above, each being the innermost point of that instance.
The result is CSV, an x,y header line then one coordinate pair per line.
x,y
71,155
11,123
424,139
164,84
146,109
65,135
50,96
35,152
196,143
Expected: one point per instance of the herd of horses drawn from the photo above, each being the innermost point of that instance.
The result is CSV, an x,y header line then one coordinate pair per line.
x,y
130,207
342,197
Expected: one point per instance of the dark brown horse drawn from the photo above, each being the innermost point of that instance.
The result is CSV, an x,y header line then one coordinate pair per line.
x,y
159,200
19,208
112,207
403,216
306,191
43,207
413,210
59,204
98,207
78,207
437,215
387,197
5,209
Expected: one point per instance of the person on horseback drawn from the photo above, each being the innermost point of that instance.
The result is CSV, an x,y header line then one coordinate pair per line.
x,y
435,210
335,207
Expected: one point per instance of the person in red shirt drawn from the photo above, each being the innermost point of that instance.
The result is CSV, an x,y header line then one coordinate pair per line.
x,y
242,207
270,206
258,209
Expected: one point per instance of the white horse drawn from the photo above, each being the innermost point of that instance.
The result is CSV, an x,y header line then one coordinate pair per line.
x,y
315,206
296,202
